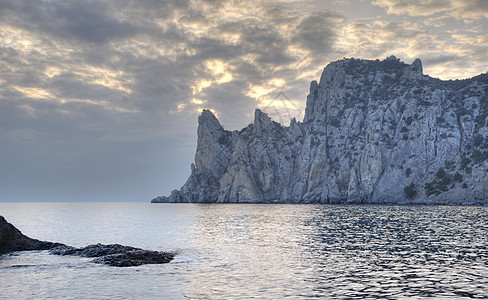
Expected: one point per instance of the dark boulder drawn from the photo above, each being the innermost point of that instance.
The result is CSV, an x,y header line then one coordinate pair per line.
x,y
134,258
116,255
95,250
11,240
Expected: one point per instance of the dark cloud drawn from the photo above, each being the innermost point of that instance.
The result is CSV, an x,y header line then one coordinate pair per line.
x,y
441,59
226,98
266,43
470,9
280,14
316,32
71,21
211,48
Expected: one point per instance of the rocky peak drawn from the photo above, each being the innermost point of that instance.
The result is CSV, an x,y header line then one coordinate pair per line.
x,y
417,66
414,71
314,93
262,122
314,88
208,121
211,138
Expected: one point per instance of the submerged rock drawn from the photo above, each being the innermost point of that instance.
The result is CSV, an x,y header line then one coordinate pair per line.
x,y
373,132
11,240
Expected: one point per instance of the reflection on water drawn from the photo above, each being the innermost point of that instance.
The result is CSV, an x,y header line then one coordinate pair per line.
x,y
343,251
266,251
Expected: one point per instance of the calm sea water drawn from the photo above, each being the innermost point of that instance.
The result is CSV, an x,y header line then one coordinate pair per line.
x,y
261,251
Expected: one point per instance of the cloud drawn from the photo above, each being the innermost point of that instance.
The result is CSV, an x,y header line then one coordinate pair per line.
x,y
88,21
446,55
471,9
381,38
413,7
194,21
460,9
316,32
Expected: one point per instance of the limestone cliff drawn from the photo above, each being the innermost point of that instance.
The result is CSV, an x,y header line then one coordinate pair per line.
x,y
373,132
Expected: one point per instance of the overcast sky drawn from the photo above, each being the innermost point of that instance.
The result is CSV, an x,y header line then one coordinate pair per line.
x,y
99,100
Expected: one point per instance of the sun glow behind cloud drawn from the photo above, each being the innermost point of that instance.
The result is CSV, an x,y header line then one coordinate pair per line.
x,y
34,93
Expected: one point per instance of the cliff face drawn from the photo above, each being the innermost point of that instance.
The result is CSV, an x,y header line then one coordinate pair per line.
x,y
373,132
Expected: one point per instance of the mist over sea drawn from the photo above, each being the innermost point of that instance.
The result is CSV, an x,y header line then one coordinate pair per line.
x,y
263,251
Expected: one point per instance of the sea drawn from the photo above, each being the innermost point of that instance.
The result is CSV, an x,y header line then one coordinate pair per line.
x,y
253,251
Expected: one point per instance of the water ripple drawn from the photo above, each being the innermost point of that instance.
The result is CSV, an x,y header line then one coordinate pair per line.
x,y
262,251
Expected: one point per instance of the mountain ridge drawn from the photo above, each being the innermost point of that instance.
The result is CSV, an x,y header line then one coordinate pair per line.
x,y
374,131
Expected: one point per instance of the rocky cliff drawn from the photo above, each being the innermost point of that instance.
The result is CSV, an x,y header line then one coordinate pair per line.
x,y
373,132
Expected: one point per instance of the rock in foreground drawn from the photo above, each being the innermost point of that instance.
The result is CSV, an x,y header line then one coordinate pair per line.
x,y
135,258
11,240
116,255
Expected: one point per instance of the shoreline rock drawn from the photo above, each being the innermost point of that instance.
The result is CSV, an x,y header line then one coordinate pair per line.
x,y
115,255
12,240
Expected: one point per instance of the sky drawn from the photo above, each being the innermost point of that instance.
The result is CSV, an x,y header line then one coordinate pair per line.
x,y
99,100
